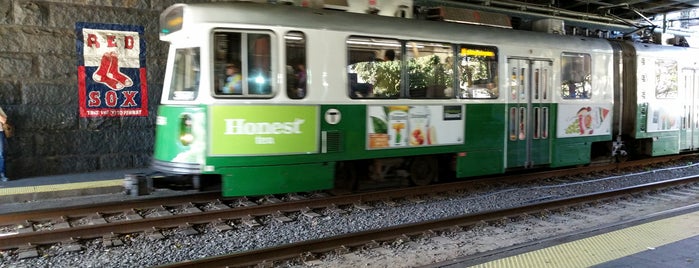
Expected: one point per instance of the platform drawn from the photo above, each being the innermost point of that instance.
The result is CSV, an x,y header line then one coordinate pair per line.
x,y
25,192
664,240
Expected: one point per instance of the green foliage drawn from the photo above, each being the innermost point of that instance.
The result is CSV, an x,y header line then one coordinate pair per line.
x,y
385,76
422,72
476,69
379,125
429,71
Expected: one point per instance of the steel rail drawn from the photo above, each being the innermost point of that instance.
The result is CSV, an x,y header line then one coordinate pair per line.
x,y
23,216
39,214
290,251
139,225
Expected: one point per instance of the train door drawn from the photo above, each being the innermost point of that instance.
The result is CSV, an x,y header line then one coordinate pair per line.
x,y
529,112
689,130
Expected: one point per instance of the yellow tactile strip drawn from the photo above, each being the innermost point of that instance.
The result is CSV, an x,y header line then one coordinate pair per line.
x,y
59,187
607,247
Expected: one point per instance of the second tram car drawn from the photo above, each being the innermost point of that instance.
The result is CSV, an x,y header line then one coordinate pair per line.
x,y
660,98
276,99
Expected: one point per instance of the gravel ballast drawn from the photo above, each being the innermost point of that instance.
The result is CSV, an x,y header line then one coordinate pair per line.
x,y
141,251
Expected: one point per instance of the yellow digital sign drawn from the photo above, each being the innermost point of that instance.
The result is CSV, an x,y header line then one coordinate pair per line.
x,y
476,52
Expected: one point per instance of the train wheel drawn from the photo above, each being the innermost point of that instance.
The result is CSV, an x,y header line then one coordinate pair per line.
x,y
424,170
346,176
196,182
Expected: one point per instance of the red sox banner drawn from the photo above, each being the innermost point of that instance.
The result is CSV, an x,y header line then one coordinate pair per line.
x,y
111,70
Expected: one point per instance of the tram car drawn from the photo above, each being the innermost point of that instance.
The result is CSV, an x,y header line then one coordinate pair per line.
x,y
659,98
275,99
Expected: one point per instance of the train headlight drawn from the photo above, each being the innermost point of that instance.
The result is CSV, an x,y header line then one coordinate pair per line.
x,y
186,137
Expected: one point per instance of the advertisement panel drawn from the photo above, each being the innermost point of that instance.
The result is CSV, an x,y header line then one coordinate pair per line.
x,y
400,126
583,120
260,130
111,70
663,116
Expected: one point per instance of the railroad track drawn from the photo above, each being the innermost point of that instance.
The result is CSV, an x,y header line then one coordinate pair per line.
x,y
26,230
311,249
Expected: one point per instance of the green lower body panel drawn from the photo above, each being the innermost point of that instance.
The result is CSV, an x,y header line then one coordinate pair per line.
x,y
475,163
261,180
571,154
665,145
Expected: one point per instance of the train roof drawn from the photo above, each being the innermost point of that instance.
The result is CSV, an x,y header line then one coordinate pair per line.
x,y
688,55
655,48
363,24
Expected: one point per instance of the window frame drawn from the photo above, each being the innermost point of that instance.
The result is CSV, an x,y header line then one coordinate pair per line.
x,y
293,91
185,61
218,66
371,67
448,81
662,70
585,83
494,92
354,57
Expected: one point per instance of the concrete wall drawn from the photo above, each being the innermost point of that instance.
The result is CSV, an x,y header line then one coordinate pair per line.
x,y
39,88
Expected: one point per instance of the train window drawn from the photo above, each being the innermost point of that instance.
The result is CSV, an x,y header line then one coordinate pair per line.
x,y
544,83
373,70
522,84
516,85
522,123
666,74
536,83
184,83
478,72
537,123
513,124
295,65
545,123
242,62
541,123
430,71
575,76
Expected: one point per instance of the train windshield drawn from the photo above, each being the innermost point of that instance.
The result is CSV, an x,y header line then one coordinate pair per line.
x,y
185,75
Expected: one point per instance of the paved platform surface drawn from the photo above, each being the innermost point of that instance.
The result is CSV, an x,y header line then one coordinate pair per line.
x,y
683,253
31,193
660,242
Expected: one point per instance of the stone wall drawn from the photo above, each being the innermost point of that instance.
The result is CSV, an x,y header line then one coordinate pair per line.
x,y
39,88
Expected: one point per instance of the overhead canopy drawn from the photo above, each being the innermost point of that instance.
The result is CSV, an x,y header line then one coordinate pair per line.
x,y
622,8
606,16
